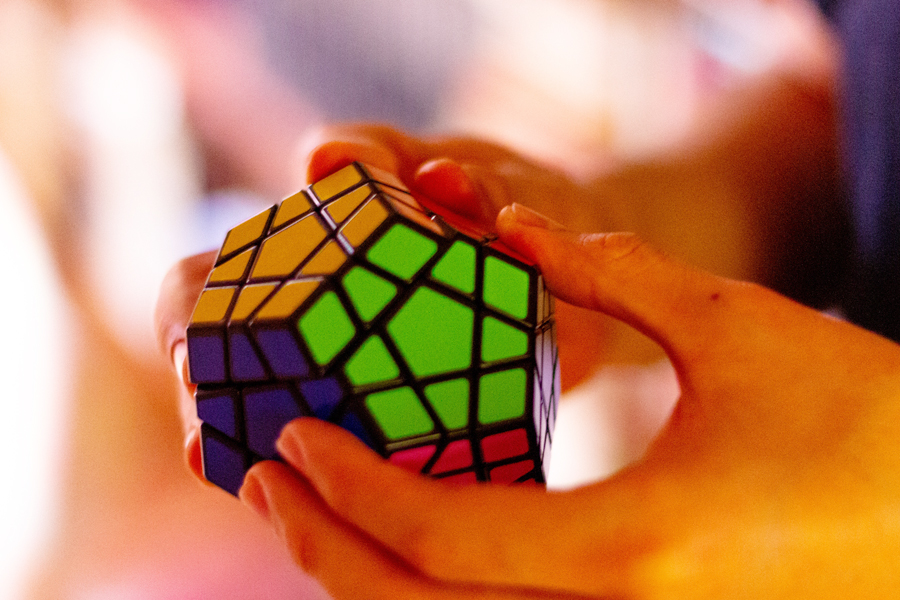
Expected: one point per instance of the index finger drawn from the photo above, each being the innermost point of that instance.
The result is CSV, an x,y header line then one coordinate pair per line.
x,y
327,149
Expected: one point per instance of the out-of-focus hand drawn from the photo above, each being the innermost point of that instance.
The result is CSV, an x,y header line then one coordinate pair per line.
x,y
467,176
177,297
475,179
778,475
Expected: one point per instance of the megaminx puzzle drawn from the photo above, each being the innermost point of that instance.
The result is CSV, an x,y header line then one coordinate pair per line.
x,y
350,302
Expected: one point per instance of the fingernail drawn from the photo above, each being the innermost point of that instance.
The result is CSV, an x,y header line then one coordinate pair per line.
x,y
254,496
527,216
193,454
179,360
290,446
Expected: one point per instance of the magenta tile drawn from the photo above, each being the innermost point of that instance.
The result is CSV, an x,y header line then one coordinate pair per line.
x,y
413,459
462,478
504,445
511,473
457,455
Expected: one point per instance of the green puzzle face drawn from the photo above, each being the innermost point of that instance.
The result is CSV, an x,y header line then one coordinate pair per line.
x,y
351,303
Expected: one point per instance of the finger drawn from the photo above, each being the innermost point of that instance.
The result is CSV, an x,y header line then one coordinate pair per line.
x,y
679,307
467,196
347,562
192,451
463,189
178,295
334,155
190,422
323,546
493,535
713,329
325,150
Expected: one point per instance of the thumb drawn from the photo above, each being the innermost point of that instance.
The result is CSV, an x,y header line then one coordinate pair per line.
x,y
677,306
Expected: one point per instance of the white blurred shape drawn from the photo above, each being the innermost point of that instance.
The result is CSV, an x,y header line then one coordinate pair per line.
x,y
571,81
120,89
609,421
33,370
126,104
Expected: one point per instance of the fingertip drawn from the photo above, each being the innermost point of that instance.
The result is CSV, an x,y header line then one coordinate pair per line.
x,y
302,440
193,454
443,178
291,443
330,156
518,235
456,188
520,214
329,456
506,221
178,295
253,494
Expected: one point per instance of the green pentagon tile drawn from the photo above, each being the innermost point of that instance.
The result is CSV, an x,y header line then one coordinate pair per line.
x,y
429,321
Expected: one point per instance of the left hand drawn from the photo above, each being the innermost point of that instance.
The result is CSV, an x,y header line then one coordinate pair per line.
x,y
177,298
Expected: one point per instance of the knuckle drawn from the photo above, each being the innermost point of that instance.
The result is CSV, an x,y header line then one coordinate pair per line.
x,y
190,270
178,274
304,549
617,245
649,573
320,142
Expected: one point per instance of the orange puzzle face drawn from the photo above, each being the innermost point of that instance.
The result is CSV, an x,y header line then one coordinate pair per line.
x,y
351,303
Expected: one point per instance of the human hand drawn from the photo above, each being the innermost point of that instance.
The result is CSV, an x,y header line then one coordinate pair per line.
x,y
177,298
475,179
467,176
471,188
454,176
778,475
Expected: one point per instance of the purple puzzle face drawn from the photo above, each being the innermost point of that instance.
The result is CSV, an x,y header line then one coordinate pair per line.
x,y
351,303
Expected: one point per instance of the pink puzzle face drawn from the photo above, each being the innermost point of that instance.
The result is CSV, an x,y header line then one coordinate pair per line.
x,y
350,302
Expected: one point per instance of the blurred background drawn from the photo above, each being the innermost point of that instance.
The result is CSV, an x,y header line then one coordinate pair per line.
x,y
134,132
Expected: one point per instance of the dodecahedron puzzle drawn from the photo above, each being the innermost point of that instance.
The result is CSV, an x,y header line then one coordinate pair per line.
x,y
350,302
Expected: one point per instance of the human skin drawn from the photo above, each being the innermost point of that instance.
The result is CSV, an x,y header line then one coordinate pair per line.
x,y
752,193
776,477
